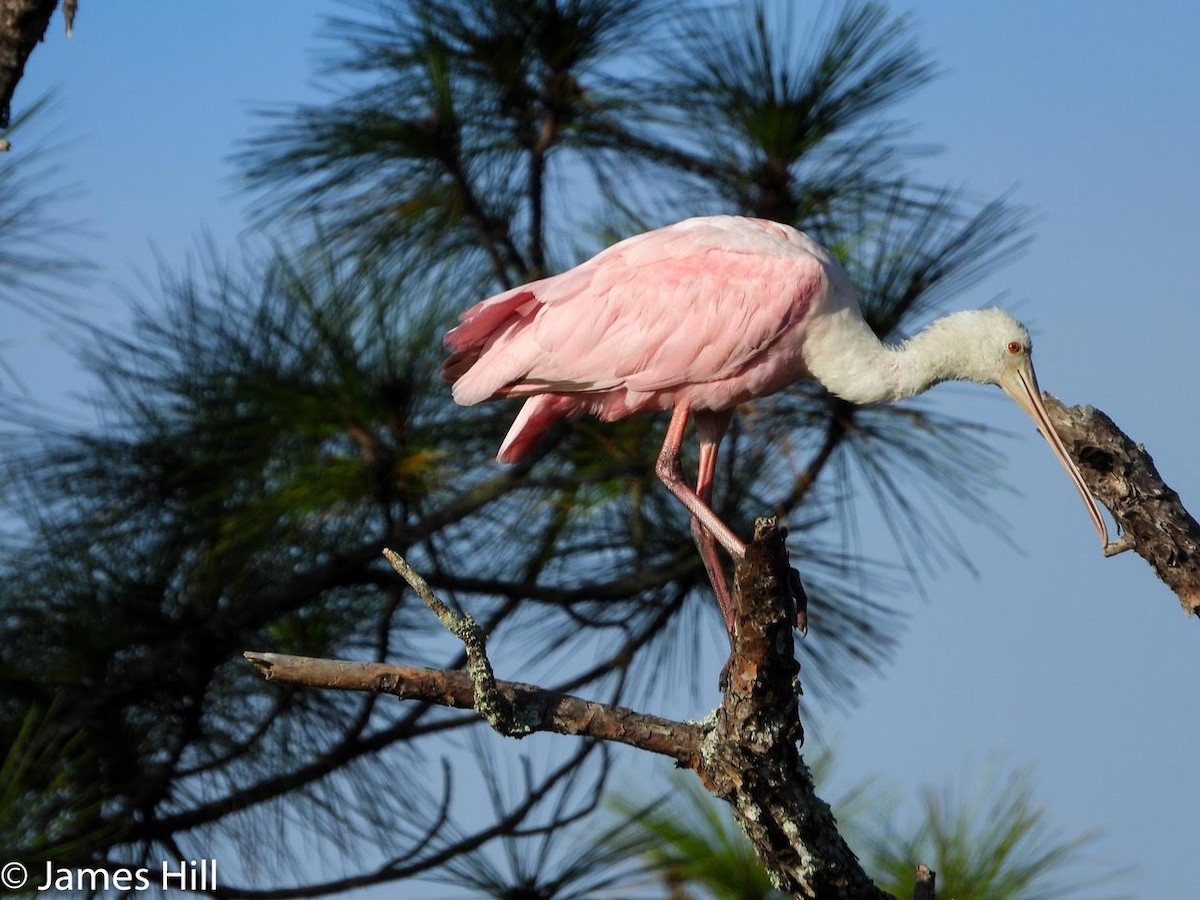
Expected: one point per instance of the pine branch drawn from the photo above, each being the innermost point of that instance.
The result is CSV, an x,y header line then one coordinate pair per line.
x,y
746,753
1122,476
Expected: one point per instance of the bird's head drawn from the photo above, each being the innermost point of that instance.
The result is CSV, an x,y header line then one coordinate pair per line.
x,y
984,345
992,347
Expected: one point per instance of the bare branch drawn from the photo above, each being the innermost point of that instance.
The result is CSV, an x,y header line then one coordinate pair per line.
x,y
488,702
1123,477
924,887
539,709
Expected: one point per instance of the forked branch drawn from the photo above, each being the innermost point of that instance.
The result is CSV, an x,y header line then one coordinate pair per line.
x,y
746,753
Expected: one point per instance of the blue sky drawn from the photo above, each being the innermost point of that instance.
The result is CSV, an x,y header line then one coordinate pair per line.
x,y
1090,113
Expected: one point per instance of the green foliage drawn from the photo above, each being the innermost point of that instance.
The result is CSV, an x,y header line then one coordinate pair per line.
x,y
992,844
443,150
692,842
39,254
796,132
46,808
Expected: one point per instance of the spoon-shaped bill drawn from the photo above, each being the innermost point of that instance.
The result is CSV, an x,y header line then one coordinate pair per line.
x,y
1022,386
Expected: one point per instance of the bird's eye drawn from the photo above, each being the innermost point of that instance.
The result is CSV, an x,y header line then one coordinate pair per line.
x,y
1014,347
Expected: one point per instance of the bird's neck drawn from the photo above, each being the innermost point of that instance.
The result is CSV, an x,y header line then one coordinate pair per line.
x,y
845,356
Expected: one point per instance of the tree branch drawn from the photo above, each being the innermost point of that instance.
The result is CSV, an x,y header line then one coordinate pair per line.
x,y
923,887
403,867
751,758
486,699
1122,476
746,753
23,24
540,709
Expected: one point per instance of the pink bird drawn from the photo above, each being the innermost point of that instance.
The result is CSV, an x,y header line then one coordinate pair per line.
x,y
701,316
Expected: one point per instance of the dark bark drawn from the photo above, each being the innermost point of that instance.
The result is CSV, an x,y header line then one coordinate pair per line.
x,y
23,23
1122,476
751,758
923,887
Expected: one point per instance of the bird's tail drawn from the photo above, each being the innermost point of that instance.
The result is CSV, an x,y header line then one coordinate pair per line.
x,y
479,328
534,420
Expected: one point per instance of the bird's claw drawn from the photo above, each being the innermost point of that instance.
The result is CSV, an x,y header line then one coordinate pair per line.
x,y
1120,545
799,601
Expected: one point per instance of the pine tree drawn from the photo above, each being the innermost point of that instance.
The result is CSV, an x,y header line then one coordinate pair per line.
x,y
268,425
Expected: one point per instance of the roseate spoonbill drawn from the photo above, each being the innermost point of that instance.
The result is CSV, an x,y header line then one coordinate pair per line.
x,y
700,316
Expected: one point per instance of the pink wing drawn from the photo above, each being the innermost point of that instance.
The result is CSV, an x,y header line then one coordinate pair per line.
x,y
687,304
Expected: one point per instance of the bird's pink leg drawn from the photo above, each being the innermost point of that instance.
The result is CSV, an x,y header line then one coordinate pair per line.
x,y
671,474
711,428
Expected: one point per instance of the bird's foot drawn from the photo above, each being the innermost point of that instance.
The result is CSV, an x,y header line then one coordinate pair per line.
x,y
1120,545
799,601
797,596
